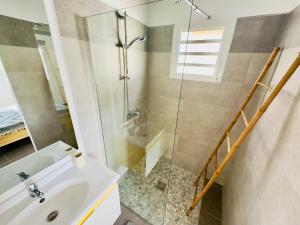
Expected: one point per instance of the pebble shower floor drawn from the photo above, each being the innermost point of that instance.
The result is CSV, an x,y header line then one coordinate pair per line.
x,y
147,195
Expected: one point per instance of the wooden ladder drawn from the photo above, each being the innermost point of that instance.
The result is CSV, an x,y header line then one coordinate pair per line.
x,y
249,125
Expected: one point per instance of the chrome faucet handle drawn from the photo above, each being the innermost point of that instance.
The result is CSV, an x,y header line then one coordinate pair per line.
x,y
35,192
32,187
23,176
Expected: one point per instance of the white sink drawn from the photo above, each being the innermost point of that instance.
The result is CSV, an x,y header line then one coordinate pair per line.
x,y
60,201
70,194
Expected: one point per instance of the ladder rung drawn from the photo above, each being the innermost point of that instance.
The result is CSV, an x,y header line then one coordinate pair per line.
x,y
244,118
228,143
265,86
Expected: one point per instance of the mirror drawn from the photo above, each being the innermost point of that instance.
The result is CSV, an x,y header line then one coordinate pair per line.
x,y
34,112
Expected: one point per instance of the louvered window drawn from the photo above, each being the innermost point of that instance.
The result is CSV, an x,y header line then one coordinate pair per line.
x,y
199,51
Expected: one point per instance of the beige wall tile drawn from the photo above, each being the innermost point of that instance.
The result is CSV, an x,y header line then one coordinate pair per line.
x,y
237,66
164,87
205,114
192,131
257,62
21,59
187,162
26,74
163,105
223,94
159,64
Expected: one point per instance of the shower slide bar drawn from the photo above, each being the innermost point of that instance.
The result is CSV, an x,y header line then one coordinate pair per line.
x,y
249,125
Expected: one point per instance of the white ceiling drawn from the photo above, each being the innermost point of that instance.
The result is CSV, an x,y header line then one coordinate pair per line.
x,y
239,8
30,10
33,10
167,12
120,4
226,8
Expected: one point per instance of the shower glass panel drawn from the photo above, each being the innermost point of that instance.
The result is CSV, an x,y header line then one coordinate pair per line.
x,y
134,53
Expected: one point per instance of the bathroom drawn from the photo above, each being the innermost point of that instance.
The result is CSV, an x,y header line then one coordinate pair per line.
x,y
109,109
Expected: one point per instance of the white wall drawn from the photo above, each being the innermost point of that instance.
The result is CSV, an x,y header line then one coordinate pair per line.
x,y
30,10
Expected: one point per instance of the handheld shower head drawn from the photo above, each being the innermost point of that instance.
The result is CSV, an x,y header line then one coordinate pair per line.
x,y
140,38
143,38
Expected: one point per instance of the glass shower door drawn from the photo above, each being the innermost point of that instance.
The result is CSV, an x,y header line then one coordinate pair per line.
x,y
134,53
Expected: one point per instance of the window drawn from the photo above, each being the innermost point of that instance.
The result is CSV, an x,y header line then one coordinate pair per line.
x,y
198,53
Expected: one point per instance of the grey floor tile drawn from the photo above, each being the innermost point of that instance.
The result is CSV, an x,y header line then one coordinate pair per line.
x,y
212,202
17,150
129,216
211,208
146,198
3,161
206,219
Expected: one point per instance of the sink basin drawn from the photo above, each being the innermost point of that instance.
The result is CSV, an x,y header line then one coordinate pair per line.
x,y
60,206
71,194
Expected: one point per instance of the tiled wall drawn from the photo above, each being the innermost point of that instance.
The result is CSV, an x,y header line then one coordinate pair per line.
x,y
162,92
22,62
256,34
207,108
262,185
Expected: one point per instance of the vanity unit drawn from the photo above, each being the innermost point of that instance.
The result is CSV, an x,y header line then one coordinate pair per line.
x,y
71,192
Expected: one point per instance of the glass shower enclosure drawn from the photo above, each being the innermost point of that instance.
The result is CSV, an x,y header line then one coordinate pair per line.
x,y
135,54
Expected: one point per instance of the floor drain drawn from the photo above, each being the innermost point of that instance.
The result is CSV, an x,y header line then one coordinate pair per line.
x,y
161,185
52,216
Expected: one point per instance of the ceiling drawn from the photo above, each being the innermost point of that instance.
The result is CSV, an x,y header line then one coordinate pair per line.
x,y
30,10
226,8
33,10
242,8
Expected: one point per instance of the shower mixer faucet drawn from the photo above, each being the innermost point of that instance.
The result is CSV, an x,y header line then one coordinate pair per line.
x,y
133,114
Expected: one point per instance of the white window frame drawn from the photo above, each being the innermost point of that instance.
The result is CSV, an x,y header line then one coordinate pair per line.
x,y
228,26
196,77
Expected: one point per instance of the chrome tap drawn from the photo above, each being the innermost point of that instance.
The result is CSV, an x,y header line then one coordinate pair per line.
x,y
35,192
32,187
133,114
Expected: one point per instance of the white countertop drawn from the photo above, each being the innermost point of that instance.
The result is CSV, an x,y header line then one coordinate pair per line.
x,y
98,177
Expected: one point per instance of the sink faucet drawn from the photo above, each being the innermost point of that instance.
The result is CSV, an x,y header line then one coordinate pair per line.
x,y
32,187
35,192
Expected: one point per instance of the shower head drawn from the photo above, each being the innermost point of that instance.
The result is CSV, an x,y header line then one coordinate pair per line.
x,y
143,38
140,38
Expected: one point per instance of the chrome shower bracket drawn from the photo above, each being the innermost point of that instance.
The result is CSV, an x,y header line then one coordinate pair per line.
x,y
122,77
